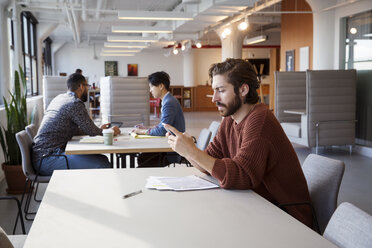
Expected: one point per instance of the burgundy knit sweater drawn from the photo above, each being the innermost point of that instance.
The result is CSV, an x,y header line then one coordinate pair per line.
x,y
256,154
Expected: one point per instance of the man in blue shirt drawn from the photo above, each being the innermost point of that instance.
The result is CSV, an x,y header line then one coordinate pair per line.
x,y
171,113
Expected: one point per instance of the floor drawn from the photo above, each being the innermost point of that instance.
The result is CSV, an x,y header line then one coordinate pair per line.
x,y
356,185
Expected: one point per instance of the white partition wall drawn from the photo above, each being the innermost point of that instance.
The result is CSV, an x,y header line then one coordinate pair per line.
x,y
125,99
52,87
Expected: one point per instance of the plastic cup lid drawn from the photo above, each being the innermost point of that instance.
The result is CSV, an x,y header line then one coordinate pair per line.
x,y
108,130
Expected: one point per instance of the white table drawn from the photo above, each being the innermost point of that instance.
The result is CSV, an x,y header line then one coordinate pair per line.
x,y
122,144
85,208
295,111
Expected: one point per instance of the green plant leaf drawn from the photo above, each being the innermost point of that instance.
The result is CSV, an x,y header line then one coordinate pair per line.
x,y
16,113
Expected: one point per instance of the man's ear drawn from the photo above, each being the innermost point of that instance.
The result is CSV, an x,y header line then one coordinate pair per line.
x,y
244,89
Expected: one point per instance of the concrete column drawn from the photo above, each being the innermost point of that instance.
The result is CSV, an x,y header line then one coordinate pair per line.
x,y
323,34
232,45
4,51
188,69
43,31
18,56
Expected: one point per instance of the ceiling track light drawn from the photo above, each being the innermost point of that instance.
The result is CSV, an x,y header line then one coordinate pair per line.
x,y
244,24
130,39
155,15
135,29
124,45
226,32
116,54
255,40
121,50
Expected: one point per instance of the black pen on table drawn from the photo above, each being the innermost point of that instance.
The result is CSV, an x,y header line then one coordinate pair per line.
x,y
132,194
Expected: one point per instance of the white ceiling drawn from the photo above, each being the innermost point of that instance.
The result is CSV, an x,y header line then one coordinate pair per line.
x,y
86,22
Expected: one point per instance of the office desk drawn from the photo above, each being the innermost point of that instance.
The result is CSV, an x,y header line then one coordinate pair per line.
x,y
85,208
125,144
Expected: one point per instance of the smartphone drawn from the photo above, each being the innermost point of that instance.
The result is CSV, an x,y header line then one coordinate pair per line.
x,y
169,131
117,123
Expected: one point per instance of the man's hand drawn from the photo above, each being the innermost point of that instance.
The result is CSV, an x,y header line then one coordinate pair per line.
x,y
105,126
184,145
139,131
114,128
181,143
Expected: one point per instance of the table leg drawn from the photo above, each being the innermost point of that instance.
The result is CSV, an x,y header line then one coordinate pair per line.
x,y
112,160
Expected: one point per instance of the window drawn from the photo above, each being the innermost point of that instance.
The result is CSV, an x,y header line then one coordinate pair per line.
x,y
11,44
47,57
29,49
358,42
356,35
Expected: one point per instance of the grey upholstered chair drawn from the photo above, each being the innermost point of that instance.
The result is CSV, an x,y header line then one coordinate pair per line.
x,y
25,144
52,87
213,127
327,99
203,139
11,241
126,100
349,227
31,130
323,176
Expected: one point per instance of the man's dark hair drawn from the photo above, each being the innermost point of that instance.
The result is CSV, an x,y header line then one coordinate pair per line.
x,y
79,71
237,73
160,77
74,81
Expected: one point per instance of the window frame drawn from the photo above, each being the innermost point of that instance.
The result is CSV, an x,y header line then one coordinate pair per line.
x,y
31,54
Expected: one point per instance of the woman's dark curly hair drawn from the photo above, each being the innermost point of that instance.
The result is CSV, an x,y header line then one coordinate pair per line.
x,y
237,73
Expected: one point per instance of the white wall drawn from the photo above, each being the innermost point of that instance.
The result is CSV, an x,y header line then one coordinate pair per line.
x,y
68,58
203,58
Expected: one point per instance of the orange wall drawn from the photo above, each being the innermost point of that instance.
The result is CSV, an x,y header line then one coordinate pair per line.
x,y
297,31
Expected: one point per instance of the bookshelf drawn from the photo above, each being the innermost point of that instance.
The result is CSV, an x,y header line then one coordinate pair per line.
x,y
185,95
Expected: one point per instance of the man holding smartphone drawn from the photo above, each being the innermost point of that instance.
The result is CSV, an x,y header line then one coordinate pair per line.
x,y
250,150
171,113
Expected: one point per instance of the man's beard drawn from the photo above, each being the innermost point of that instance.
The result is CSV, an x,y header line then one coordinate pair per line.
x,y
84,97
231,108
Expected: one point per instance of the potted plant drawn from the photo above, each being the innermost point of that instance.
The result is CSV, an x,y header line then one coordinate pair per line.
x,y
16,114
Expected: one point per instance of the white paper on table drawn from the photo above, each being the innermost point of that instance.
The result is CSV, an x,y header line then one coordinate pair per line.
x,y
180,183
92,140
155,183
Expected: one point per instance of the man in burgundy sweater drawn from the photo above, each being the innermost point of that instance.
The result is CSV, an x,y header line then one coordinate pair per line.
x,y
250,150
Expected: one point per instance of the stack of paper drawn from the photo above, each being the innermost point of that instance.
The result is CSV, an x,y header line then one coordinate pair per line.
x,y
179,183
144,136
91,140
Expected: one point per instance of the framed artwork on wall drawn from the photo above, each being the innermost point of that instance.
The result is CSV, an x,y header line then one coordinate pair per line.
x,y
289,60
133,70
111,68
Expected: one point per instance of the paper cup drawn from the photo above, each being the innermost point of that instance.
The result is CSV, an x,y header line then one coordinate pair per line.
x,y
108,136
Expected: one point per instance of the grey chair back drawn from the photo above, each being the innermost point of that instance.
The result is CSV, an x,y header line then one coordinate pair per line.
x,y
213,127
323,176
25,145
31,131
349,227
331,105
290,93
203,139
